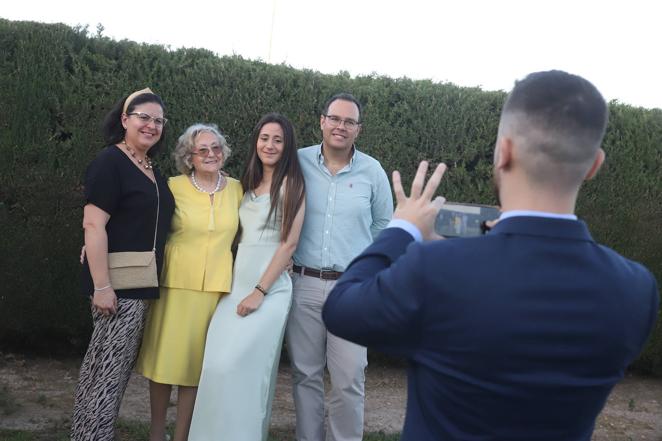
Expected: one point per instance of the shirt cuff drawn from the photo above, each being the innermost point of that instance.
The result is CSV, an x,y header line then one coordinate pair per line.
x,y
408,227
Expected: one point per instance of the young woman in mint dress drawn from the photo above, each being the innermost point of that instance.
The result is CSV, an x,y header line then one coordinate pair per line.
x,y
246,332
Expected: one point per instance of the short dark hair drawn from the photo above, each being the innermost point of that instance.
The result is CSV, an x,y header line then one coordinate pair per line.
x,y
561,103
560,120
344,96
113,130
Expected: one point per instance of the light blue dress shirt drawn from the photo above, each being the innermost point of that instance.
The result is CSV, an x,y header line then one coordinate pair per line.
x,y
344,213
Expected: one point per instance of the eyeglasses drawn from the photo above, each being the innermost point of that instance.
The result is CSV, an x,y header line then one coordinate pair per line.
x,y
335,121
216,150
145,118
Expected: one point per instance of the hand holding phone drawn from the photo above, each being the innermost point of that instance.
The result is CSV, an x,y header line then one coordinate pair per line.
x,y
464,220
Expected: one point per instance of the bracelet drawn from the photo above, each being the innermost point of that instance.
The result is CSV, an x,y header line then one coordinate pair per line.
x,y
102,288
262,290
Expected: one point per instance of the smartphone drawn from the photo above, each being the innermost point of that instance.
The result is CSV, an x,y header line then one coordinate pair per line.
x,y
464,220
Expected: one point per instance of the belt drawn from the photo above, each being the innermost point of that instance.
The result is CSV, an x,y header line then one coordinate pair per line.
x,y
320,274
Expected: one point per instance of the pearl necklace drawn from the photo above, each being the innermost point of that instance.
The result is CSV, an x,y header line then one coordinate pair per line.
x,y
219,182
148,162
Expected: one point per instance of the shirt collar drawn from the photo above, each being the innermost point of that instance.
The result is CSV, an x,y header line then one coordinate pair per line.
x,y
320,156
534,213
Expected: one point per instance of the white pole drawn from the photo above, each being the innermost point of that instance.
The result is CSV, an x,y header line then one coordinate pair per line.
x,y
271,35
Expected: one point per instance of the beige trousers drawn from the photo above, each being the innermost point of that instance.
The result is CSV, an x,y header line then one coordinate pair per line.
x,y
311,347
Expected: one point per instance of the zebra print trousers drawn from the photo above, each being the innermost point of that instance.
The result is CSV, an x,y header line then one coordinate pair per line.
x,y
106,370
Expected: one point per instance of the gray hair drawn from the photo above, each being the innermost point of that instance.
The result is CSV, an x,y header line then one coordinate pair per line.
x,y
186,142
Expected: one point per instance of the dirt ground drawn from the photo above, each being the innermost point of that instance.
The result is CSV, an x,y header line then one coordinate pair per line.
x,y
36,394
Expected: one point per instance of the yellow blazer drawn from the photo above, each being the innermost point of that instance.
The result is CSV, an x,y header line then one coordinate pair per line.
x,y
197,252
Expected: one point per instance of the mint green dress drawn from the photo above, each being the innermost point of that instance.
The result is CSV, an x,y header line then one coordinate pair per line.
x,y
242,353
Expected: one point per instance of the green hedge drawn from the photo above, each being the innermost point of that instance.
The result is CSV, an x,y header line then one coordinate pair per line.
x,y
57,83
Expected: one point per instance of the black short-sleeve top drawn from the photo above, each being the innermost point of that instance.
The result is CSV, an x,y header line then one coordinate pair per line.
x,y
114,184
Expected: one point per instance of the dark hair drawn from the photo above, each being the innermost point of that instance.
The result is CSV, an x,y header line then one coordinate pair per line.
x,y
569,111
344,96
287,167
113,130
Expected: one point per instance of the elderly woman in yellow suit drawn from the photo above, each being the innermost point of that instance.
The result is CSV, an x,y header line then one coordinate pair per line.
x,y
196,273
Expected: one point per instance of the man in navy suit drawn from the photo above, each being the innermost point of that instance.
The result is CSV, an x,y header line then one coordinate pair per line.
x,y
522,333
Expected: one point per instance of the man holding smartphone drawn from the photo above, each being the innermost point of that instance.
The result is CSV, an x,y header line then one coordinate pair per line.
x,y
522,333
348,202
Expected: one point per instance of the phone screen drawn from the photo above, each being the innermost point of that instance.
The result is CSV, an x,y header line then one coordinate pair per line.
x,y
463,220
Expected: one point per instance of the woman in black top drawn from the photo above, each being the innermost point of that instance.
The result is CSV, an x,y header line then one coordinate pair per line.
x,y
120,215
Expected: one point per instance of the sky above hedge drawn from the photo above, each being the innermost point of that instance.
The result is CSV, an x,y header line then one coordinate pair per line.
x,y
485,43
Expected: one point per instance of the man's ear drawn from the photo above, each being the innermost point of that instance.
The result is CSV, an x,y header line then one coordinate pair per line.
x,y
597,163
503,153
321,122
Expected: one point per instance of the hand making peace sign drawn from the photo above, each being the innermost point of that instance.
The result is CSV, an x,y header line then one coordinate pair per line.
x,y
419,208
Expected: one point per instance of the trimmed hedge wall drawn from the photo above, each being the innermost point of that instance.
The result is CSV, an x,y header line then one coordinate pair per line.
x,y
57,83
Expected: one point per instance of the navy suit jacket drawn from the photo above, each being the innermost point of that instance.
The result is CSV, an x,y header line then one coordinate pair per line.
x,y
517,335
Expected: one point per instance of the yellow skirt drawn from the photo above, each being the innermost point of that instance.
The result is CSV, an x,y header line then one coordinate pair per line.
x,y
175,334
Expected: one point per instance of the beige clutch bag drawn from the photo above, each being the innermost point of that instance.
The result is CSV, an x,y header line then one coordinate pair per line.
x,y
132,269
135,269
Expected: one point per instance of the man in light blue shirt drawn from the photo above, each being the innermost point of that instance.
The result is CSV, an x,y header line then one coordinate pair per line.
x,y
348,202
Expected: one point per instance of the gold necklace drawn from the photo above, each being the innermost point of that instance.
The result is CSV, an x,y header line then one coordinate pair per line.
x,y
147,162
